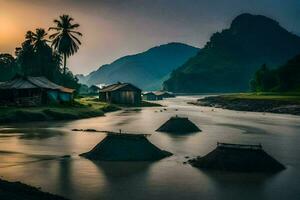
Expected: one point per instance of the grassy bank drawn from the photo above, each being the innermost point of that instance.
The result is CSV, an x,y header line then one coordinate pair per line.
x,y
284,103
80,108
265,96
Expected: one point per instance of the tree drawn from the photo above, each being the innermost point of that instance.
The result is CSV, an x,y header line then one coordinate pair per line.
x,y
35,56
289,75
25,54
265,80
65,40
8,67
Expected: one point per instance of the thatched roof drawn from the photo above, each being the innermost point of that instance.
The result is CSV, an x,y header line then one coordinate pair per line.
x,y
125,147
233,157
178,125
120,86
29,82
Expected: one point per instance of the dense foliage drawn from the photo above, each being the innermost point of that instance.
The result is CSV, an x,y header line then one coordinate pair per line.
x,y
286,78
35,57
231,57
8,67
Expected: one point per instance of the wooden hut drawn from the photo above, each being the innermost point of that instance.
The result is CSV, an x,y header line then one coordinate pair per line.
x,y
238,157
150,96
33,91
178,125
125,147
121,93
164,94
93,89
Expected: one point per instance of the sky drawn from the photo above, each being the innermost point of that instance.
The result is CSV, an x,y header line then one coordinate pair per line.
x,y
115,28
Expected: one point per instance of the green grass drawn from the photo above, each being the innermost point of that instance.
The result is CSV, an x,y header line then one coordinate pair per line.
x,y
80,108
272,96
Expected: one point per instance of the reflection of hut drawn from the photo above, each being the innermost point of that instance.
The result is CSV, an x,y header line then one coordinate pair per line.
x,y
178,125
150,96
125,147
236,157
32,91
121,93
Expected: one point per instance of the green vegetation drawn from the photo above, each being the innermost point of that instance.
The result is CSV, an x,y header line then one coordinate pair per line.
x,y
231,57
283,79
81,108
266,96
84,107
36,58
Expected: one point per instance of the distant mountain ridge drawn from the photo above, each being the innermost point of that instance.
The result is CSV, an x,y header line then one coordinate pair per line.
x,y
229,59
146,70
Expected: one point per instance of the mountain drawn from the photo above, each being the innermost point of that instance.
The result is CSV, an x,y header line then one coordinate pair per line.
x,y
146,70
229,59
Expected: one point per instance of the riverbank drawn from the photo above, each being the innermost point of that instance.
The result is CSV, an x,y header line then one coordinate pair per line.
x,y
264,102
79,109
20,191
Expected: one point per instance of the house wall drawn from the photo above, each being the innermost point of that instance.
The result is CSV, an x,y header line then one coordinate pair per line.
x,y
52,96
121,97
21,97
65,97
152,97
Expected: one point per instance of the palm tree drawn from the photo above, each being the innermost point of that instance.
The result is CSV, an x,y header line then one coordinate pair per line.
x,y
29,37
65,40
38,38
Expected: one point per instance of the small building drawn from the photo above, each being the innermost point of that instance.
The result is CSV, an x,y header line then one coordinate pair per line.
x,y
164,94
178,125
121,93
150,96
33,91
93,89
238,157
126,147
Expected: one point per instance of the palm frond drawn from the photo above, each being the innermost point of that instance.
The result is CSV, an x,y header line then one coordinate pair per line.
x,y
76,32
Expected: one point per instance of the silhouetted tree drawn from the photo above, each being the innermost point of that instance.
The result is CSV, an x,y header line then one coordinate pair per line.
x,y
289,75
36,57
8,67
64,40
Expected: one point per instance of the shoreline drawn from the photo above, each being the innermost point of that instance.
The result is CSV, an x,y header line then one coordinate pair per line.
x,y
82,108
252,103
79,109
21,191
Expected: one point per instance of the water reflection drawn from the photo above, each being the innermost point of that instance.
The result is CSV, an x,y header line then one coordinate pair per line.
x,y
31,133
245,129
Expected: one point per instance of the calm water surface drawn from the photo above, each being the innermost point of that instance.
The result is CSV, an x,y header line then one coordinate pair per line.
x,y
32,153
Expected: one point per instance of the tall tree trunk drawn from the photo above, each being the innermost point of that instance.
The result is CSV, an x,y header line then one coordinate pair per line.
x,y
65,63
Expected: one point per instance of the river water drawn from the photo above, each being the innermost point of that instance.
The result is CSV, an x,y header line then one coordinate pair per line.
x,y
32,153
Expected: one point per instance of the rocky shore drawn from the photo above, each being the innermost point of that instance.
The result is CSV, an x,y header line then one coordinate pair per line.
x,y
20,191
253,105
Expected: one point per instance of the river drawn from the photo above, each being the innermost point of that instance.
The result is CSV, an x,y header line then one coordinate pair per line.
x,y
32,153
